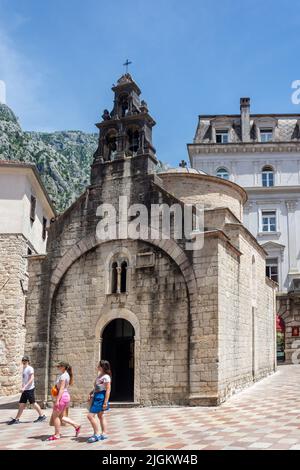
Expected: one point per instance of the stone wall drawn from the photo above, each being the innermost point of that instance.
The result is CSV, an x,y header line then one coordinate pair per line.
x,y
246,315
204,326
13,284
37,319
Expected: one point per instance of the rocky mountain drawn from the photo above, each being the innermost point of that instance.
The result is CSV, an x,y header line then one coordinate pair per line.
x,y
63,158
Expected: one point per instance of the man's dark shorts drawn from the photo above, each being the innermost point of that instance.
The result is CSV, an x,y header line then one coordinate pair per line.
x,y
27,395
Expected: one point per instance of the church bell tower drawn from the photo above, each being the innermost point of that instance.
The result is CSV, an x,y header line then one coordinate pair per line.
x,y
126,131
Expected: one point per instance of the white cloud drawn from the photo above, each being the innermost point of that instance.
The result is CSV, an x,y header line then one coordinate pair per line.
x,y
22,80
2,92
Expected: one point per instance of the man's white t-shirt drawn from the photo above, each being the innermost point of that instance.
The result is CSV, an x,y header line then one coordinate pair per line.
x,y
27,372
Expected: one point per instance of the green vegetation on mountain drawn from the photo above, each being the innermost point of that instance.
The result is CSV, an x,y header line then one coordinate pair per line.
x,y
62,158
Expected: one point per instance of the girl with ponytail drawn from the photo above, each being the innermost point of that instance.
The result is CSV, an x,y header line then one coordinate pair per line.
x,y
99,402
62,399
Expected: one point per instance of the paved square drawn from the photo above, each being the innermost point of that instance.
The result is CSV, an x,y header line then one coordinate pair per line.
x,y
265,416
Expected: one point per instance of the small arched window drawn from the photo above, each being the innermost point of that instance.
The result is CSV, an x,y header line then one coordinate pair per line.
x,y
267,176
111,145
124,276
223,173
123,105
114,278
119,276
133,140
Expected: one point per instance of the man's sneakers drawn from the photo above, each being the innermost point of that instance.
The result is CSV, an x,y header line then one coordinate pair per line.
x,y
40,418
17,421
13,421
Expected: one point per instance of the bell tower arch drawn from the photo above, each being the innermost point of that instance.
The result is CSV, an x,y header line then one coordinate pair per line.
x,y
126,130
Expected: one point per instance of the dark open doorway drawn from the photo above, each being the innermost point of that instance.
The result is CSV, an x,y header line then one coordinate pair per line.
x,y
118,349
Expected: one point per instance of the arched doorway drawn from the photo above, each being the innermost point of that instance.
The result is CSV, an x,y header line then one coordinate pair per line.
x,y
118,349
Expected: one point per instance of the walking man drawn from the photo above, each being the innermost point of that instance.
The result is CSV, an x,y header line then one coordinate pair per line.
x,y
27,393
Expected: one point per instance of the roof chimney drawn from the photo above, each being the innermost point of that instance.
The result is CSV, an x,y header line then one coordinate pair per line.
x,y
245,118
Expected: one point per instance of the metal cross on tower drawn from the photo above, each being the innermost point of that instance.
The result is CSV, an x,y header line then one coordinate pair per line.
x,y
126,64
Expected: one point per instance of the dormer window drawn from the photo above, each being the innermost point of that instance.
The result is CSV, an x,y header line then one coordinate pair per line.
x,y
222,137
266,135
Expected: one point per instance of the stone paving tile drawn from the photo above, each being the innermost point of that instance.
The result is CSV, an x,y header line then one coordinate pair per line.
x,y
265,416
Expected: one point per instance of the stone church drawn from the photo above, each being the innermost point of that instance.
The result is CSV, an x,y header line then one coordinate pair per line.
x,y
179,326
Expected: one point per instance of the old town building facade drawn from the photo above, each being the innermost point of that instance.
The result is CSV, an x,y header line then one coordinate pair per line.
x,y
261,152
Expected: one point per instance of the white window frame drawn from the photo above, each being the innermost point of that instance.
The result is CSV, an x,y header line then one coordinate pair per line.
x,y
227,171
269,224
263,131
268,173
273,265
222,133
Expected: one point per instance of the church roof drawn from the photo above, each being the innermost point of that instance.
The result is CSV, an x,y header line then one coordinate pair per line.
x,y
184,170
125,81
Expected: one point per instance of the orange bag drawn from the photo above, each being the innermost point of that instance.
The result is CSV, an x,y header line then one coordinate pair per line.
x,y
54,391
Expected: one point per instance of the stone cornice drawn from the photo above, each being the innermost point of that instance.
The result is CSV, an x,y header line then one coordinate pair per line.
x,y
272,283
220,234
272,190
222,209
243,147
242,228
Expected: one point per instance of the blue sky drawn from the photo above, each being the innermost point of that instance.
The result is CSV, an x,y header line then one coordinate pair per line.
x,y
60,58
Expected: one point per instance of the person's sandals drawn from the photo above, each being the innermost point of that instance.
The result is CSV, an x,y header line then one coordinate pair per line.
x,y
103,437
53,438
94,438
13,421
40,419
77,431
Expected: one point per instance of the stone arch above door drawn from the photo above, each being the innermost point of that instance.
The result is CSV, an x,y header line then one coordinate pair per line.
x,y
107,315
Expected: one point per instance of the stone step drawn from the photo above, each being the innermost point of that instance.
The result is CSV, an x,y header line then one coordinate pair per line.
x,y
124,404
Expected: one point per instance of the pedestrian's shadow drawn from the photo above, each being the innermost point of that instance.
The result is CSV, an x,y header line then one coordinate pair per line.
x,y
41,437
79,439
21,422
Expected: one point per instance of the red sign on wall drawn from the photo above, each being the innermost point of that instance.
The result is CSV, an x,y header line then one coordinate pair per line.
x,y
295,330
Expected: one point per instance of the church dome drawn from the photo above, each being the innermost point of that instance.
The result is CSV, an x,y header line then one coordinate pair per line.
x,y
6,114
192,187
